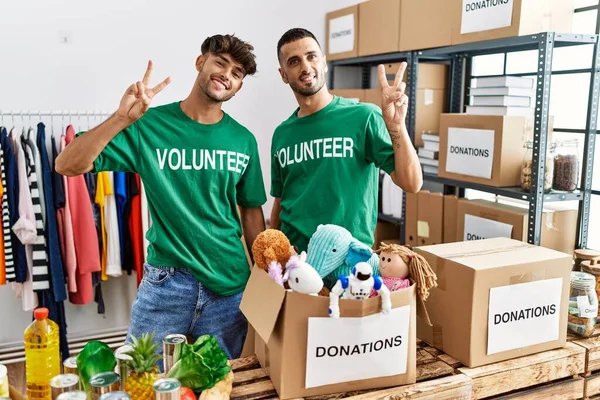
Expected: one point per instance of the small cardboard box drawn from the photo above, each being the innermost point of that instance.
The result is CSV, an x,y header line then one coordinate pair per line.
x,y
307,353
342,33
387,26
430,218
484,149
496,299
386,232
477,20
450,210
411,217
350,94
483,219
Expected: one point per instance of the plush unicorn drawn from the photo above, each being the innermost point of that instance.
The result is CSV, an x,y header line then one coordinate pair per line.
x,y
301,276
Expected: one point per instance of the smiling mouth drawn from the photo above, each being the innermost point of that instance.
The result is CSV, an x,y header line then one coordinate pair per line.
x,y
307,78
221,84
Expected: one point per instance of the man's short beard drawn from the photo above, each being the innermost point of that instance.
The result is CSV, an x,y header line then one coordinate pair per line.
x,y
310,91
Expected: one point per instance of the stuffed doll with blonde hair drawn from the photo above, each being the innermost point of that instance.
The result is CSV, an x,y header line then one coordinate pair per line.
x,y
398,265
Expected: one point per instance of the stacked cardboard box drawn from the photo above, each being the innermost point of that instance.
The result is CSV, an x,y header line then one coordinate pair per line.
x,y
430,218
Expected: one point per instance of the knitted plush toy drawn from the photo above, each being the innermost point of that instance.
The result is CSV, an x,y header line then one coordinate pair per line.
x,y
399,264
333,252
272,250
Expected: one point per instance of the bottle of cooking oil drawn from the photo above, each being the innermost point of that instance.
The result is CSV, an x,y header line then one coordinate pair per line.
x,y
42,356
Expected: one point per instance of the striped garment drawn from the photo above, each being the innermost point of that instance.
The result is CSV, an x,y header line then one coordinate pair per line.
x,y
8,250
41,277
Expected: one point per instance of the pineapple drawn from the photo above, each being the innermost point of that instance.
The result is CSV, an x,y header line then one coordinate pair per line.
x,y
143,371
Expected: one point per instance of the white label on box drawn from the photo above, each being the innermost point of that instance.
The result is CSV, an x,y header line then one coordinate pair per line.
x,y
483,15
477,228
341,34
524,315
350,349
586,310
428,97
470,152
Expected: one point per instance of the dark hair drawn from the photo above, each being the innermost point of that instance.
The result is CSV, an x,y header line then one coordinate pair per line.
x,y
292,35
240,51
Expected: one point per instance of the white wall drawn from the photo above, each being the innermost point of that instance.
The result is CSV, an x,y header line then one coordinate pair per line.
x,y
108,46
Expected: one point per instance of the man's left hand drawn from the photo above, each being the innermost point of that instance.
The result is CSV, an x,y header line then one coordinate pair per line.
x,y
394,102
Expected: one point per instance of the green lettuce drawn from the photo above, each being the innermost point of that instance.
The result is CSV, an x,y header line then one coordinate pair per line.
x,y
201,365
96,357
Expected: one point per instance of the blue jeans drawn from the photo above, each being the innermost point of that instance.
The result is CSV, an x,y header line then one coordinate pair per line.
x,y
171,300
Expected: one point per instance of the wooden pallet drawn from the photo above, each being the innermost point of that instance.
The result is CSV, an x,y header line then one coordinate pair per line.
x,y
537,376
592,365
435,380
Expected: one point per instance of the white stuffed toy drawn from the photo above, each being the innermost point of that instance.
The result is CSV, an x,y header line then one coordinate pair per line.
x,y
358,286
301,276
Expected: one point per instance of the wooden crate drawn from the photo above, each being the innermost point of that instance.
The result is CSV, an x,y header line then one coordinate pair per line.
x,y
539,374
435,380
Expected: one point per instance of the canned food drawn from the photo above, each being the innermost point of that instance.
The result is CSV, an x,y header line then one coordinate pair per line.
x,y
70,366
172,346
115,396
64,383
75,395
167,389
104,382
122,367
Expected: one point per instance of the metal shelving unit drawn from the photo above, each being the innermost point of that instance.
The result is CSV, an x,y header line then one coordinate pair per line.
x,y
459,58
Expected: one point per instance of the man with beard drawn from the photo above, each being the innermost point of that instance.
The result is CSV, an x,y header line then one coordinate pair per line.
x,y
325,157
197,165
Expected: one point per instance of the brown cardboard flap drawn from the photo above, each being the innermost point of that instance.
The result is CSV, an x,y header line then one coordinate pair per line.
x,y
261,302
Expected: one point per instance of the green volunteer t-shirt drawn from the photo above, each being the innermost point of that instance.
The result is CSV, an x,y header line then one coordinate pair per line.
x,y
194,176
325,168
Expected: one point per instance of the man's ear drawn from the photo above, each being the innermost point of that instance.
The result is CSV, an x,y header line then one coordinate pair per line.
x,y
200,62
283,76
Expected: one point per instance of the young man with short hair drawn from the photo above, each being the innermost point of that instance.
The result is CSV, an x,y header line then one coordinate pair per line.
x,y
197,165
325,157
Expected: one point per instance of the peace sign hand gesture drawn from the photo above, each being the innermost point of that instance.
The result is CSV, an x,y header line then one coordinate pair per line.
x,y
394,102
136,100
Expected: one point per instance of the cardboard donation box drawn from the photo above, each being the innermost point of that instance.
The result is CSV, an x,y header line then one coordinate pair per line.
x,y
484,149
496,299
483,219
307,353
387,26
342,33
476,20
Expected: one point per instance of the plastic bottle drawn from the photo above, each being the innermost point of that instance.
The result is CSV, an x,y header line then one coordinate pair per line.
x,y
42,356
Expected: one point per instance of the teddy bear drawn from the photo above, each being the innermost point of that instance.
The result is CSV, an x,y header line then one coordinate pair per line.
x,y
271,251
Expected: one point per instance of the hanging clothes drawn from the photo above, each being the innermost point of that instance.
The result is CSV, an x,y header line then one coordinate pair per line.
x,y
120,189
135,227
50,229
41,273
128,252
90,182
24,228
65,224
2,257
113,239
145,219
84,234
9,264
13,189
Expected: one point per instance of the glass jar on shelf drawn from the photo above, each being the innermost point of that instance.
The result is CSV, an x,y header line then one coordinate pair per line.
x,y
583,304
566,166
527,166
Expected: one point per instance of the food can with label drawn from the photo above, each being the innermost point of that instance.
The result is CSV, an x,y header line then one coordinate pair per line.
x,y
122,367
74,395
172,345
70,366
64,383
115,396
167,389
104,382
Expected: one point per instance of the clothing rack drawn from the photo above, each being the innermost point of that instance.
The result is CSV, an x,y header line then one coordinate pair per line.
x,y
91,116
69,113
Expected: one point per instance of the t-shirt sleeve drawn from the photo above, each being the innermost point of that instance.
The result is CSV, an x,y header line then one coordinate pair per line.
x,y
121,154
276,181
251,187
378,144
